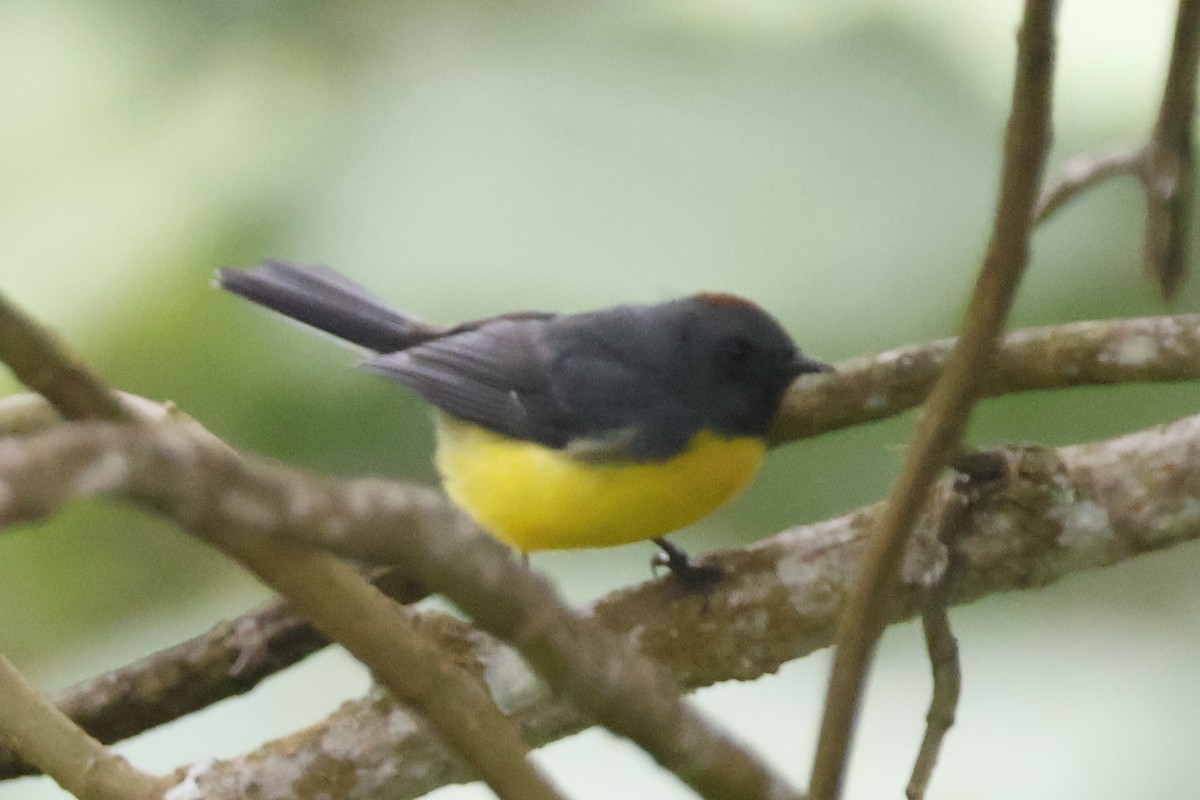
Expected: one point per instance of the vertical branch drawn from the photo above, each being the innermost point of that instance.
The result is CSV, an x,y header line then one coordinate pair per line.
x,y
945,415
935,617
1169,170
947,684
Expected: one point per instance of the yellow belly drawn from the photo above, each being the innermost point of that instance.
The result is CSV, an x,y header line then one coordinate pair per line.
x,y
533,497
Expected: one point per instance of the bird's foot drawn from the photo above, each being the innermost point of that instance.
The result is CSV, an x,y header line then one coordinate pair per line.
x,y
693,575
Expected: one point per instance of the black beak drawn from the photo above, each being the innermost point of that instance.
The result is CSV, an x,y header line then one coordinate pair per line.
x,y
802,364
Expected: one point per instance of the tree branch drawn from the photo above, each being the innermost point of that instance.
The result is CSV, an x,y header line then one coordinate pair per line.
x,y
1058,512
43,363
41,733
1032,359
948,408
1082,173
228,660
1165,165
209,490
338,602
234,656
383,635
1169,169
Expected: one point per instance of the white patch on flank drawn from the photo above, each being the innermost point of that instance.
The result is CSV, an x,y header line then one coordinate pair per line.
x,y
104,474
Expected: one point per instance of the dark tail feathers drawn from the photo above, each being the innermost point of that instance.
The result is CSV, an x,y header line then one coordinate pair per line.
x,y
319,297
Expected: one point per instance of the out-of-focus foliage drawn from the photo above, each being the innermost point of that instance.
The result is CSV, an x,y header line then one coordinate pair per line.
x,y
835,161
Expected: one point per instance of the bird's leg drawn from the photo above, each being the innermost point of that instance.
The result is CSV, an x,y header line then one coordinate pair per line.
x,y
675,558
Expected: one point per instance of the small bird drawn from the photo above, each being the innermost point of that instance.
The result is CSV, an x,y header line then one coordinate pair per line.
x,y
559,431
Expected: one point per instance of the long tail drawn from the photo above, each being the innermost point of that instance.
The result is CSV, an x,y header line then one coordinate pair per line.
x,y
319,297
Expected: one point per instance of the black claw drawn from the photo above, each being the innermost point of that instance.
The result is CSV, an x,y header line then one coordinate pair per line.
x,y
693,575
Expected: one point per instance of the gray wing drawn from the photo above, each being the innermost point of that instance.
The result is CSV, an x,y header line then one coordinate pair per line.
x,y
497,375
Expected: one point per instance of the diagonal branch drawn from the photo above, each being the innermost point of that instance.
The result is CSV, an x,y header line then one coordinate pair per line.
x,y
42,363
342,605
383,635
41,733
1060,511
1082,173
945,415
228,660
209,490
234,656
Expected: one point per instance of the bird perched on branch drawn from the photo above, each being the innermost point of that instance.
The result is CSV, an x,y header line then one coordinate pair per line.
x,y
561,431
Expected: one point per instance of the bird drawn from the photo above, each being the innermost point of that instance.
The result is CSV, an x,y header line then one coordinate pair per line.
x,y
571,430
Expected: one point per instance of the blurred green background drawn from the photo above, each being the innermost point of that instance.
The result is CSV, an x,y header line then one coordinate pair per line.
x,y
835,161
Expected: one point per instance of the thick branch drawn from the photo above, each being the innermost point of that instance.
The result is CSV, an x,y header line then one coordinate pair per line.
x,y
234,656
1032,359
382,635
209,490
338,602
1061,511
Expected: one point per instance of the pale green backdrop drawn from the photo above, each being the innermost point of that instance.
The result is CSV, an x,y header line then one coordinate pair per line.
x,y
835,161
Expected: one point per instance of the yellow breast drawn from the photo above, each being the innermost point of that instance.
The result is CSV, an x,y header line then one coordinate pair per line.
x,y
537,498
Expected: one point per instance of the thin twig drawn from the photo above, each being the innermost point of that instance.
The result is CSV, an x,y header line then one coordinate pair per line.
x,y
946,412
1165,165
44,736
1169,171
947,684
1082,173
935,618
